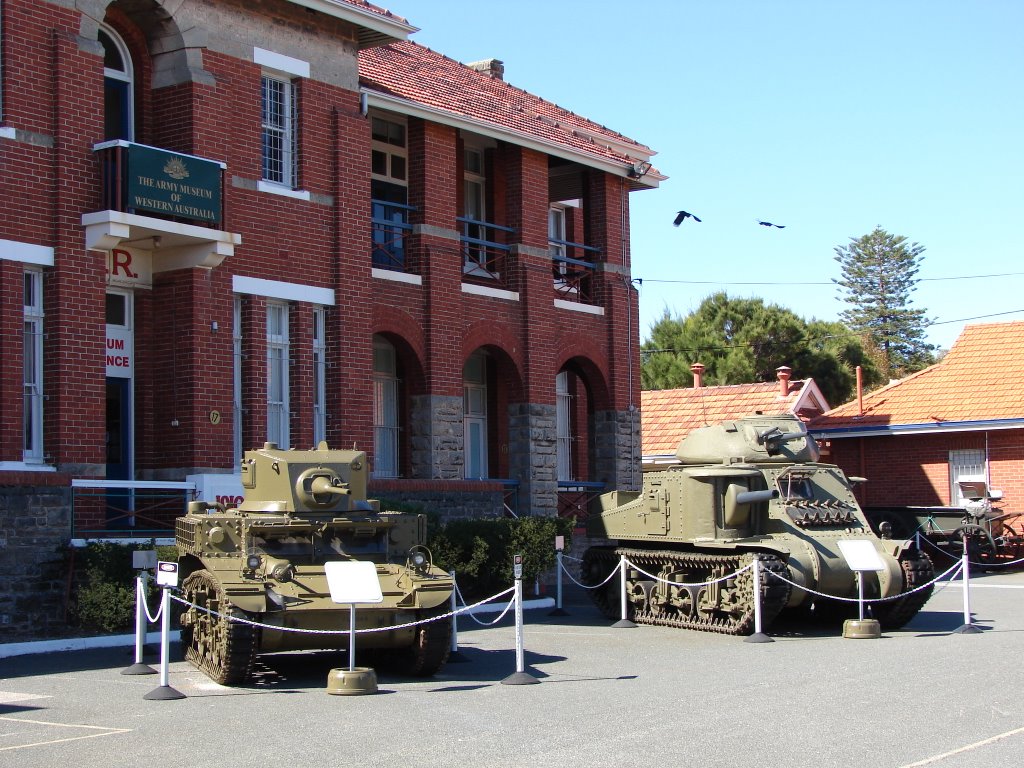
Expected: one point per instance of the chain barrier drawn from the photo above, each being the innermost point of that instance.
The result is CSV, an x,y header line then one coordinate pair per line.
x,y
458,594
141,597
301,630
588,586
939,549
708,583
952,568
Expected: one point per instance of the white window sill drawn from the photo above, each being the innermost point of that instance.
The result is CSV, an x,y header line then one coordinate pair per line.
x,y
25,466
278,189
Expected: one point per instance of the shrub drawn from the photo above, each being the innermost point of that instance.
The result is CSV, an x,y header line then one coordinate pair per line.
x,y
481,551
104,599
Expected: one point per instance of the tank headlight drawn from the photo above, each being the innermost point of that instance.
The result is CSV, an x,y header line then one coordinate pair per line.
x,y
252,562
419,559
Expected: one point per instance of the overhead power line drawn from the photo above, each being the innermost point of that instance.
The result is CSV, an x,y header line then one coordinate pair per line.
x,y
830,282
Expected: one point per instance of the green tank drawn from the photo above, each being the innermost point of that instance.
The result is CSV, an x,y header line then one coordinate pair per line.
x,y
742,489
264,562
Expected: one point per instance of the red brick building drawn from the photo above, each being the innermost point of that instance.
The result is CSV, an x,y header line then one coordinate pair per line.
x,y
960,419
227,223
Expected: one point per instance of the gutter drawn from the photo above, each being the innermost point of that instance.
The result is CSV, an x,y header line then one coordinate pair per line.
x,y
931,427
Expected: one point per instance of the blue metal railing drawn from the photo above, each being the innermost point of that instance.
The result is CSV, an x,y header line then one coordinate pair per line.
x,y
573,269
390,223
483,251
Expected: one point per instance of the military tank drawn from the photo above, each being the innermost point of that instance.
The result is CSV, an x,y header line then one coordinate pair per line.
x,y
742,489
264,562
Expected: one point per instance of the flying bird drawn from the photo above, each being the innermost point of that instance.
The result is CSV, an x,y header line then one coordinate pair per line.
x,y
682,216
769,224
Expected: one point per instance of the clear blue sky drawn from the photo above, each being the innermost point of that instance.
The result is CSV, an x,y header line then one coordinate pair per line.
x,y
830,117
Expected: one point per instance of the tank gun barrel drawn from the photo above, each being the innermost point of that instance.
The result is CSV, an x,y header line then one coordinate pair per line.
x,y
773,438
323,484
756,497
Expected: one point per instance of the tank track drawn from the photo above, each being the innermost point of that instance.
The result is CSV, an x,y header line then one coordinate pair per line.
x,y
917,570
726,607
429,650
225,650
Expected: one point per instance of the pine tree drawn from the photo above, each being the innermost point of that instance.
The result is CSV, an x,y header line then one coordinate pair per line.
x,y
878,275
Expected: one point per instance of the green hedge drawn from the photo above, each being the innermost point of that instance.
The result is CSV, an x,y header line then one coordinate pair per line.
x,y
103,598
481,551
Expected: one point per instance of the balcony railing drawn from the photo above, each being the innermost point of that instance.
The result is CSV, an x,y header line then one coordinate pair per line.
x,y
574,497
484,251
390,226
573,268
163,184
127,508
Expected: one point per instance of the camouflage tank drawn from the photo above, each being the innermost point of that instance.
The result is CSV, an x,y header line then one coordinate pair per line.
x,y
264,562
744,489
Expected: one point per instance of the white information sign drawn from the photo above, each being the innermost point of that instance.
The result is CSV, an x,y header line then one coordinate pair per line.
x,y
353,581
861,555
167,574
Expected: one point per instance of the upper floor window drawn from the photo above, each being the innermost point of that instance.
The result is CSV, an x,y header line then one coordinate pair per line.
x,y
33,367
389,192
118,82
474,210
278,115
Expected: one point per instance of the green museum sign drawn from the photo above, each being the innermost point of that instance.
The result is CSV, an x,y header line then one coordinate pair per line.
x,y
176,185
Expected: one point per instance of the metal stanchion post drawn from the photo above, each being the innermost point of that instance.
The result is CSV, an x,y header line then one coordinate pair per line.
x,y
967,628
139,667
623,622
165,692
521,676
758,636
454,655
558,610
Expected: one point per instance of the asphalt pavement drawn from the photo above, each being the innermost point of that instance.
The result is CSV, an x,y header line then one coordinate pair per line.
x,y
646,696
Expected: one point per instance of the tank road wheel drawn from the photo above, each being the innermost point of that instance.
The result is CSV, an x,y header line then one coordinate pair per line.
x,y
432,642
917,570
225,650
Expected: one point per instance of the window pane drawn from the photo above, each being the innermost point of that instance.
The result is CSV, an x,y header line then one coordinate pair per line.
x,y
398,167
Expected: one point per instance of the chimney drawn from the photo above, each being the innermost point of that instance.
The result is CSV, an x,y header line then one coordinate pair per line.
x,y
785,373
698,375
493,67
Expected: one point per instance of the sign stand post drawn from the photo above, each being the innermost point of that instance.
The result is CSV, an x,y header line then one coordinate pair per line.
x,y
861,556
352,582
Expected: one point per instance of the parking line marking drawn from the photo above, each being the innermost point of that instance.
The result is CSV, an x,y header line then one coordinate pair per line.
x,y
967,748
106,732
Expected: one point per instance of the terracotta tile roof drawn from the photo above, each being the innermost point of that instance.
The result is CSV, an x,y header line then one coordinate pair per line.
x,y
981,378
668,415
413,72
371,8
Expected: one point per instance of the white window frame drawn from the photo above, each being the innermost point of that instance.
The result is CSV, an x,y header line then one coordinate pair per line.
x,y
474,388
319,375
278,348
965,464
237,411
32,434
474,193
284,129
386,431
127,75
563,426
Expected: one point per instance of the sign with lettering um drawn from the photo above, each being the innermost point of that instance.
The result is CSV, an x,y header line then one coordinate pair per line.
x,y
182,186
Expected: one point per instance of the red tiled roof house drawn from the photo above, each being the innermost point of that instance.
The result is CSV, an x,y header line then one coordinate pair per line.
x,y
961,418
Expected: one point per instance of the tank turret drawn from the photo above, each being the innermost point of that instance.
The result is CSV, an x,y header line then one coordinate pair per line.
x,y
751,487
264,562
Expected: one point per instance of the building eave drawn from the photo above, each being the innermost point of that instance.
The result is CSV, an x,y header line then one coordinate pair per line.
x,y
409,108
374,28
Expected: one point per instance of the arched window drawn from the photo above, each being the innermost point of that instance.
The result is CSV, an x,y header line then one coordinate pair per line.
x,y
118,81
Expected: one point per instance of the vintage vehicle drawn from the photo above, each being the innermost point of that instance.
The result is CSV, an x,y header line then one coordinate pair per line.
x,y
263,562
992,535
747,488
